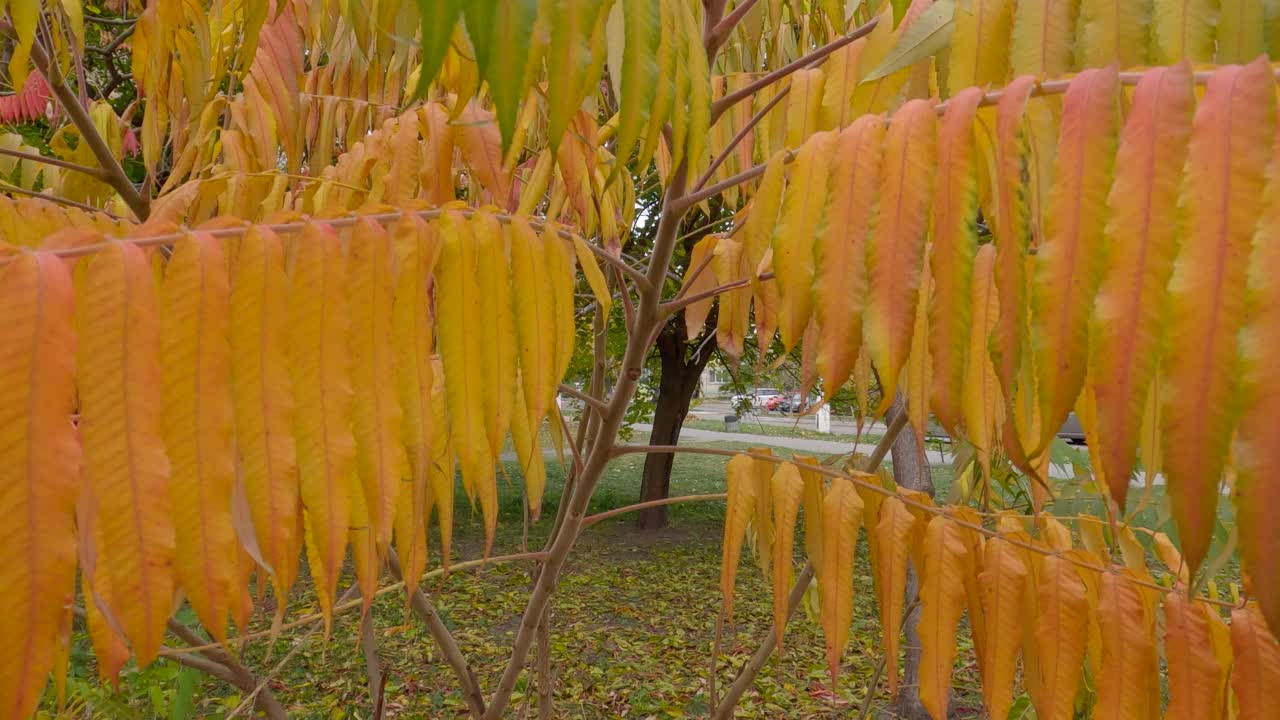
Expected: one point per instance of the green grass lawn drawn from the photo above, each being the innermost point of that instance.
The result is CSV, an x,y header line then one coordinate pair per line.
x,y
632,624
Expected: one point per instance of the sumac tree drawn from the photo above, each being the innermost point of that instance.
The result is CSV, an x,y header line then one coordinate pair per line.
x,y
352,271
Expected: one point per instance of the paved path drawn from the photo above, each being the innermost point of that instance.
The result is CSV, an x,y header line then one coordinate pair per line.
x,y
828,447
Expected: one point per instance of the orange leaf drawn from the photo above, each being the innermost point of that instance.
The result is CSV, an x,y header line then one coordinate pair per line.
x,y
1061,629
739,473
942,598
955,242
41,457
1002,582
981,402
1012,232
699,277
376,415
803,210
840,253
124,458
196,424
1256,454
1197,678
481,145
319,365
1255,677
1130,676
1069,261
895,249
1142,240
413,324
787,489
1231,141
895,536
841,514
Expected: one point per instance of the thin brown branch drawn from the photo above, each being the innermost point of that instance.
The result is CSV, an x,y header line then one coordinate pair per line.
x,y
723,29
236,673
573,392
728,101
635,275
638,343
543,669
593,519
15,190
56,162
751,173
372,663
343,606
79,116
689,278
739,137
867,481
678,302
385,218
444,640
748,674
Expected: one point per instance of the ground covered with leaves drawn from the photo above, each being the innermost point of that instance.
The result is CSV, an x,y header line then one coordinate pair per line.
x,y
632,628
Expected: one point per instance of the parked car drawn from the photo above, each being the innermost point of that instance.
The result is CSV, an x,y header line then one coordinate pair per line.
x,y
757,399
793,403
775,403
1071,430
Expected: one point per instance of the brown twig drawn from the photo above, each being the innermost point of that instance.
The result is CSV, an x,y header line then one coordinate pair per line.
x,y
721,31
343,606
585,398
56,162
598,517
444,640
739,137
216,657
728,101
748,674
79,116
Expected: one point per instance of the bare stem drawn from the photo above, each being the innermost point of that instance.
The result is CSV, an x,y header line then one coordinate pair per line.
x,y
56,162
220,664
728,101
344,604
601,451
593,519
444,639
723,29
748,674
573,392
739,137
79,116
372,663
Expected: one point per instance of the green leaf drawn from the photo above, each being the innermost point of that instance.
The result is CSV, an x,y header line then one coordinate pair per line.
x,y
899,10
568,61
505,56
438,19
637,32
930,32
480,20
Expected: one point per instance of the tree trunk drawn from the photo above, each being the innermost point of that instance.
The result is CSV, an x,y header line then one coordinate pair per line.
x,y
676,386
909,471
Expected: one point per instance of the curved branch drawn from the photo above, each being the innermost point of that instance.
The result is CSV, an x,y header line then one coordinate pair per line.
x,y
345,605
444,639
719,106
56,162
115,175
593,519
573,392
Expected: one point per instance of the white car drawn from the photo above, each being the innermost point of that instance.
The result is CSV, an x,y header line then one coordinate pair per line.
x,y
758,397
